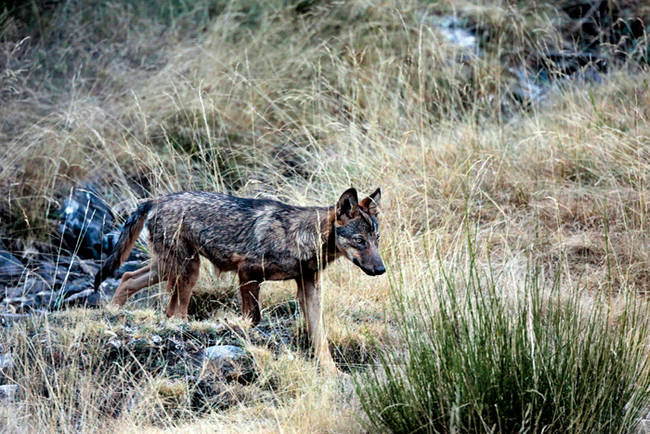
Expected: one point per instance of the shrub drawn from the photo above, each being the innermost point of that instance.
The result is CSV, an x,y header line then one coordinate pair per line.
x,y
473,357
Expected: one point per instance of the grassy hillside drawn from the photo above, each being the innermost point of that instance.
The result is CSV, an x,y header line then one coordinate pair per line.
x,y
531,140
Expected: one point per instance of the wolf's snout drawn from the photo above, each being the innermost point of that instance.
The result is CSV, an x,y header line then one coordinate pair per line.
x,y
370,269
374,268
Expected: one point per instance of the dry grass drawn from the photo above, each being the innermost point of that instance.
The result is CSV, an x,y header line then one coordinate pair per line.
x,y
263,101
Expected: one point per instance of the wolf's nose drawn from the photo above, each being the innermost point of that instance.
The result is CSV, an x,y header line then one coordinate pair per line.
x,y
380,270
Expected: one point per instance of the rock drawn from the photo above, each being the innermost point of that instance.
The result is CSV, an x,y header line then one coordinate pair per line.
x,y
6,319
453,31
229,362
6,366
46,299
11,292
31,285
77,292
155,340
173,344
77,285
8,392
6,362
563,64
53,284
69,275
65,269
128,266
20,304
108,287
87,297
89,267
526,90
645,425
71,264
114,343
34,285
210,394
85,220
11,269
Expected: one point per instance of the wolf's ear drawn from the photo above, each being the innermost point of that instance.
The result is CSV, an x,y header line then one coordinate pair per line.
x,y
348,204
371,203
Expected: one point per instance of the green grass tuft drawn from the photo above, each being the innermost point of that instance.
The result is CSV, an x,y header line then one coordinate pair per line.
x,y
474,357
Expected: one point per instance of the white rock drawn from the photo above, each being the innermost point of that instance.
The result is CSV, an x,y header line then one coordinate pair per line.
x,y
8,392
223,353
6,361
227,361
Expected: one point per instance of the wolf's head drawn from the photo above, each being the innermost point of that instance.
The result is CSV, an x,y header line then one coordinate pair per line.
x,y
357,231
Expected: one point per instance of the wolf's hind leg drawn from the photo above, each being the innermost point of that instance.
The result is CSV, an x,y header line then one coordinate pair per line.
x,y
134,281
180,288
249,288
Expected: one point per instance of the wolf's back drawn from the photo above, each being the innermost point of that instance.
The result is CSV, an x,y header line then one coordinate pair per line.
x,y
132,228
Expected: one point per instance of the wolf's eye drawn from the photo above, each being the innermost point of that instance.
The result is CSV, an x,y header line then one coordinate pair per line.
x,y
359,240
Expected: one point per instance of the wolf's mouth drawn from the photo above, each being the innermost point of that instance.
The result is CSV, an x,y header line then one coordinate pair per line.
x,y
369,272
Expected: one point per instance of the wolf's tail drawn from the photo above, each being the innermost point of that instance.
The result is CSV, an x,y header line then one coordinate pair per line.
x,y
130,231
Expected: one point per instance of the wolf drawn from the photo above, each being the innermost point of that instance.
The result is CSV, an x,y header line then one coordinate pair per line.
x,y
260,239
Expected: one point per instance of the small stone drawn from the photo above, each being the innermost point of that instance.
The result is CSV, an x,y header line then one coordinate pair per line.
x,y
224,352
174,344
20,304
29,286
128,266
17,291
108,287
138,344
89,266
77,285
645,425
8,392
6,362
61,271
115,343
229,362
85,220
87,297
34,285
155,340
44,298
6,319
11,269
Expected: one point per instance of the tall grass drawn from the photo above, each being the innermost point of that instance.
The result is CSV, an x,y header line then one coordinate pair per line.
x,y
475,357
298,100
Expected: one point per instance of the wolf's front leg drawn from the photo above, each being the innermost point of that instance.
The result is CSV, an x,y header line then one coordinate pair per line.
x,y
249,287
309,297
